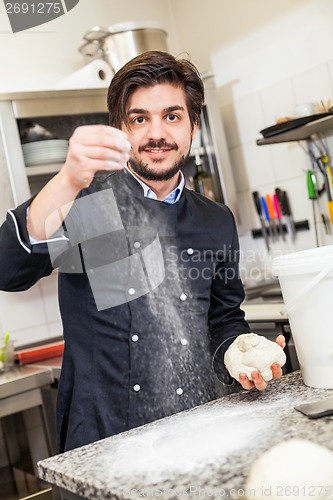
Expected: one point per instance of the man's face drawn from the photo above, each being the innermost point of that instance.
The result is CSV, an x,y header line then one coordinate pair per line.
x,y
159,130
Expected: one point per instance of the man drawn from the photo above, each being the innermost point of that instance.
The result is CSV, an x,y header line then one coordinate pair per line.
x,y
149,289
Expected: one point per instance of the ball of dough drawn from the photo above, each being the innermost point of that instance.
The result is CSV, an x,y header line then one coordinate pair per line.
x,y
250,352
296,468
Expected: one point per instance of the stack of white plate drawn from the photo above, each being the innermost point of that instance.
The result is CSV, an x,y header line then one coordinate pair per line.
x,y
45,152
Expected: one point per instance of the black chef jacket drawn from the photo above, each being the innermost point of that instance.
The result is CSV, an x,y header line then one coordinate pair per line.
x,y
149,296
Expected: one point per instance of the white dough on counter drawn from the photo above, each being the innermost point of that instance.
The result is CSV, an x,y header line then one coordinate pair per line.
x,y
250,352
297,468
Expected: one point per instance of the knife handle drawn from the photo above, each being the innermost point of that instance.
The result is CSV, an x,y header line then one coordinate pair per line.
x,y
257,203
283,201
311,183
286,204
276,206
264,207
270,206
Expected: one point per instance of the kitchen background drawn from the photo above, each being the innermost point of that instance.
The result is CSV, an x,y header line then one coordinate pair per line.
x,y
267,57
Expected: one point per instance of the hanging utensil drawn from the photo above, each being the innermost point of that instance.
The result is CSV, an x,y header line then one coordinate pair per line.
x,y
278,216
258,206
271,214
286,212
266,214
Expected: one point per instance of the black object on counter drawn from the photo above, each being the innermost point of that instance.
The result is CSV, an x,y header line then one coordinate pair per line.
x,y
291,124
317,409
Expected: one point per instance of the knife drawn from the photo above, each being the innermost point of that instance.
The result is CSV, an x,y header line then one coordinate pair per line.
x,y
271,214
257,203
278,216
286,211
266,214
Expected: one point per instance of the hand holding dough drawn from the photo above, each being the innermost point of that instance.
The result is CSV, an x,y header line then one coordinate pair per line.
x,y
251,353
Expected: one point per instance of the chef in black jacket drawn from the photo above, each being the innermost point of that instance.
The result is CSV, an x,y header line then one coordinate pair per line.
x,y
149,289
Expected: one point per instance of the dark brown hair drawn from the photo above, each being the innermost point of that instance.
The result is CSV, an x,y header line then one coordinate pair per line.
x,y
149,69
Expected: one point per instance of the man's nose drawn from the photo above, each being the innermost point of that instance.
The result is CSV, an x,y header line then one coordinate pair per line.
x,y
157,129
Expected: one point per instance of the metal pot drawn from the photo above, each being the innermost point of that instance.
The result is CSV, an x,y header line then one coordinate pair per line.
x,y
118,44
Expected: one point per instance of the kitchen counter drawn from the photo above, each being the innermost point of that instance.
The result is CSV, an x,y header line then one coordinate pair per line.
x,y
21,379
206,451
53,364
256,311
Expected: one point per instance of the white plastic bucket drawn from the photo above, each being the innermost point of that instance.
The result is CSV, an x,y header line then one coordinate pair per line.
x,y
306,280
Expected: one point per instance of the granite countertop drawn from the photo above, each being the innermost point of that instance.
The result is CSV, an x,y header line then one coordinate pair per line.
x,y
205,451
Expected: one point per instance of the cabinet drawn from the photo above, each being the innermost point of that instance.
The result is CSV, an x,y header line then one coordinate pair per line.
x,y
27,430
65,109
62,111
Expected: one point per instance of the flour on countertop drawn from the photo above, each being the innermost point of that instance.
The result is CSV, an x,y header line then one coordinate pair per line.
x,y
192,441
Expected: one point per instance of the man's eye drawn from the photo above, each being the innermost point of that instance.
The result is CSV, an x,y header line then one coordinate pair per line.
x,y
172,117
139,119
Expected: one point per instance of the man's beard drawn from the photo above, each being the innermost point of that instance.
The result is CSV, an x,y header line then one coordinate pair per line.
x,y
142,169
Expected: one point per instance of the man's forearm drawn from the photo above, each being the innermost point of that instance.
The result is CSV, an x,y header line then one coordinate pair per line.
x,y
50,207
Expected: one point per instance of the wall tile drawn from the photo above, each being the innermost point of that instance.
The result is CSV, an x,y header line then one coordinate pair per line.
x,y
230,125
304,241
49,291
289,160
248,215
55,329
30,335
238,166
324,238
301,206
258,165
255,263
330,72
249,117
277,100
313,85
22,309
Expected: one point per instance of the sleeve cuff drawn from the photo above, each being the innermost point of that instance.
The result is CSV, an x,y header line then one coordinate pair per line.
x,y
33,241
218,363
18,234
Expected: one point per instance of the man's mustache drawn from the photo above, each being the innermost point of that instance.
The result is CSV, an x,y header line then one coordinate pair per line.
x,y
157,145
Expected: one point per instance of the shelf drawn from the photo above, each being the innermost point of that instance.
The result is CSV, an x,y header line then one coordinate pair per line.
x,y
321,126
56,102
38,170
